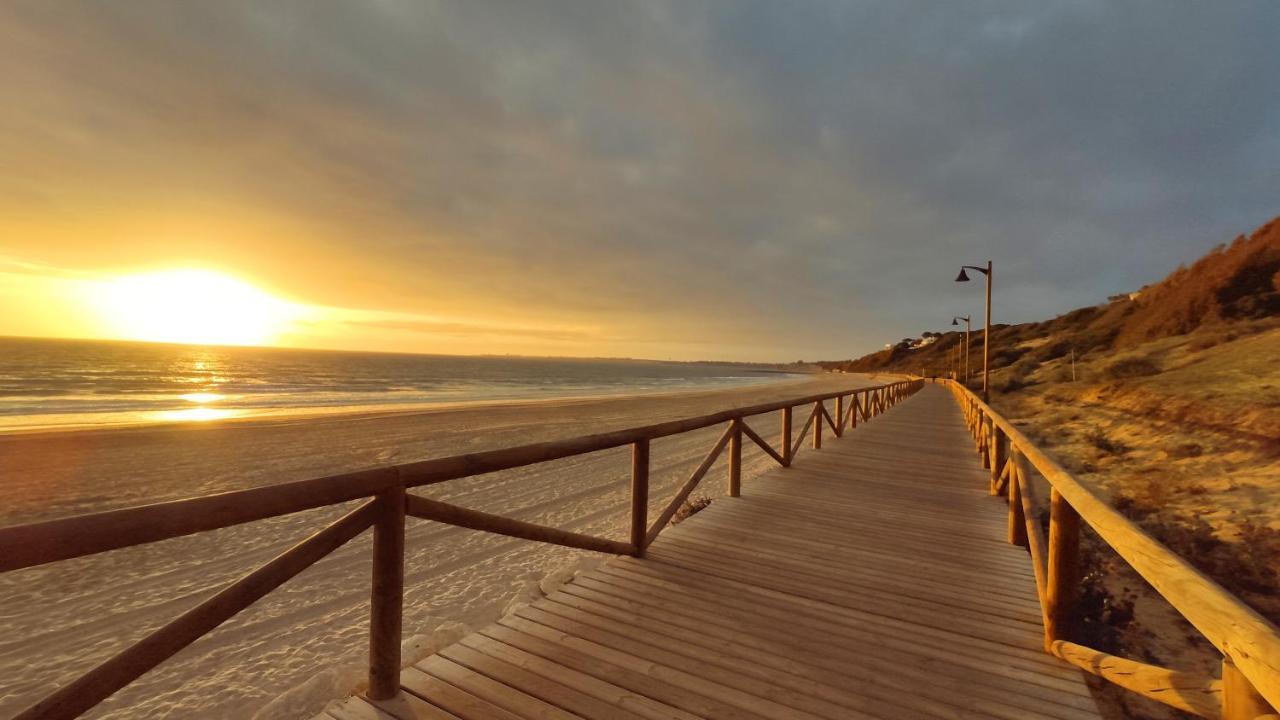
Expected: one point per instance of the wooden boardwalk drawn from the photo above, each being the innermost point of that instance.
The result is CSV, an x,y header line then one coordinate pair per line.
x,y
872,579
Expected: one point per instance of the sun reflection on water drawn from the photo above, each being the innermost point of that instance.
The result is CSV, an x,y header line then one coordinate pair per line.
x,y
203,398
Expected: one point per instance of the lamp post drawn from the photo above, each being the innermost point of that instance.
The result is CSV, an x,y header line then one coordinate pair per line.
x,y
956,321
986,328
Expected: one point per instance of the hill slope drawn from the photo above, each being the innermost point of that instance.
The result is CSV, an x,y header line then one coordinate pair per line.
x,y
1232,285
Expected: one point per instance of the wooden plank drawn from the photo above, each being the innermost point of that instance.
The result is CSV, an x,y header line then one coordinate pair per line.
x,y
841,685
643,678
403,706
766,701
579,680
505,697
936,614
531,683
457,701
616,584
776,633
914,591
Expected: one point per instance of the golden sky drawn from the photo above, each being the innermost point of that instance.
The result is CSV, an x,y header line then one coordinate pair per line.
x,y
721,180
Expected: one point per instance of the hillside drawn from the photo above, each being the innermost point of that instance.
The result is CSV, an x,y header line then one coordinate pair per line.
x,y
1233,285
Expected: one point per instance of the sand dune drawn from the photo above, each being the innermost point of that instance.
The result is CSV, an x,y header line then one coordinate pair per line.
x,y
59,620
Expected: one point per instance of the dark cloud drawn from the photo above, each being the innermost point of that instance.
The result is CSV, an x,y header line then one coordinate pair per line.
x,y
763,178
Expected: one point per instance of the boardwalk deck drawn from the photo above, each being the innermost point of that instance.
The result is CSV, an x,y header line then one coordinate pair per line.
x,y
872,579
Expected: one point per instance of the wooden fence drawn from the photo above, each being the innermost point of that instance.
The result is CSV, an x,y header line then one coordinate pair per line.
x,y
387,503
1249,687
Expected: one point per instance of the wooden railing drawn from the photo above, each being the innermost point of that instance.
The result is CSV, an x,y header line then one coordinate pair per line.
x,y
1249,687
386,505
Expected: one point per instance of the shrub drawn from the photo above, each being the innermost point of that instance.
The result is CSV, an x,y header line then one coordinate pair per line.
x,y
1098,438
1132,368
1013,384
1053,350
691,506
1185,450
1204,342
1007,356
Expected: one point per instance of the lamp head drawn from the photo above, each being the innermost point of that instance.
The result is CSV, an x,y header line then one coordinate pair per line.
x,y
955,321
962,277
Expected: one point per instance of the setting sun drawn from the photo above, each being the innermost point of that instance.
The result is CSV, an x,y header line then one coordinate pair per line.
x,y
192,306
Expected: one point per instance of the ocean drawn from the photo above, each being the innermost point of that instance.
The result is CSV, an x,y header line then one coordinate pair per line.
x,y
73,383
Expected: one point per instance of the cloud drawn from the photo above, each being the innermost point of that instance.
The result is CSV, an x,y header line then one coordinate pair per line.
x,y
472,331
770,179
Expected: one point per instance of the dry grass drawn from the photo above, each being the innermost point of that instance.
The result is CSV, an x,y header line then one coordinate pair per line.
x,y
1132,367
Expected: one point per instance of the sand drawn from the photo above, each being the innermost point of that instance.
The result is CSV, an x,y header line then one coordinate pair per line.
x,y
60,620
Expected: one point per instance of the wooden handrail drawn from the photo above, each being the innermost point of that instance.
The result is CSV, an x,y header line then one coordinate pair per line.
x,y
1244,637
1189,692
427,509
39,543
45,542
99,683
66,538
768,449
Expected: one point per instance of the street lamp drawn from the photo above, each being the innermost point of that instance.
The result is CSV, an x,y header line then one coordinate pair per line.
x,y
956,321
986,328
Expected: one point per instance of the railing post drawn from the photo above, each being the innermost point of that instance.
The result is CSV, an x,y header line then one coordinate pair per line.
x,y
1240,699
839,415
639,495
786,436
984,429
388,595
1064,569
998,458
817,425
1017,520
853,411
735,459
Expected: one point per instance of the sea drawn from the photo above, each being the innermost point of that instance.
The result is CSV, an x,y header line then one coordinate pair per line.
x,y
52,384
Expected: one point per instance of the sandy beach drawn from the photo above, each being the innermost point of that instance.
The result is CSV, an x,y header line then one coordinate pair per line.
x,y
59,620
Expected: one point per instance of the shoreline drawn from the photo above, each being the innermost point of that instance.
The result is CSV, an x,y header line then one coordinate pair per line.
x,y
268,417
